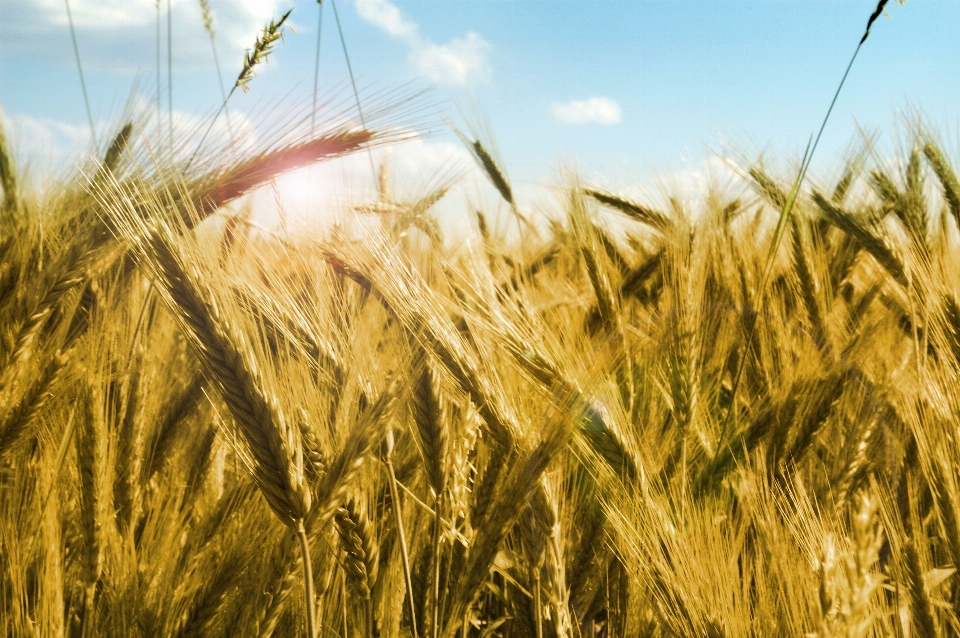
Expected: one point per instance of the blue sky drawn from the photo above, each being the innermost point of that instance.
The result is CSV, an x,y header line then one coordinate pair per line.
x,y
625,90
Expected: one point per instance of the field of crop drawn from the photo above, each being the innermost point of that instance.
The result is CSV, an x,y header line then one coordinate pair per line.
x,y
732,420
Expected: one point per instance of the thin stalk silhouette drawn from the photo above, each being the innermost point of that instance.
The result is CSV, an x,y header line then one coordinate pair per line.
x,y
159,88
207,14
83,84
353,82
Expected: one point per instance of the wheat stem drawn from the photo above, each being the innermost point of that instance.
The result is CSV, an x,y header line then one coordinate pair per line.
x,y
398,513
159,87
207,13
309,602
784,217
353,82
83,84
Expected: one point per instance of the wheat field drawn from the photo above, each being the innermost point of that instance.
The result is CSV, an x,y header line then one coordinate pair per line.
x,y
207,429
728,417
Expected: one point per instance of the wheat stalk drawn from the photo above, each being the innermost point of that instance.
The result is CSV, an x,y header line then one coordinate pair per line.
x,y
275,448
788,204
83,83
207,16
262,48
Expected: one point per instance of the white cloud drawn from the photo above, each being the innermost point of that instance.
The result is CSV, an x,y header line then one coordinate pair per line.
x,y
387,17
120,35
102,15
460,61
594,110
44,142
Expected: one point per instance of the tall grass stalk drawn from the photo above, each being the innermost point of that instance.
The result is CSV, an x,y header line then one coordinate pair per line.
x,y
159,87
170,75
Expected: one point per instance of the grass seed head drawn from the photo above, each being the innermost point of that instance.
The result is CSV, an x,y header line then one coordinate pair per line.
x,y
261,49
207,14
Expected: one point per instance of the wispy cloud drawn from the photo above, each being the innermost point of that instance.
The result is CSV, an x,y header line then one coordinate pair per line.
x,y
594,110
458,62
461,61
48,144
386,16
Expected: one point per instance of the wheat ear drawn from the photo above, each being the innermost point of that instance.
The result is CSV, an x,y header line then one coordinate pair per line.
x,y
216,189
427,416
8,176
402,537
427,407
650,216
948,178
112,157
519,482
490,167
277,452
586,235
362,553
261,49
275,460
